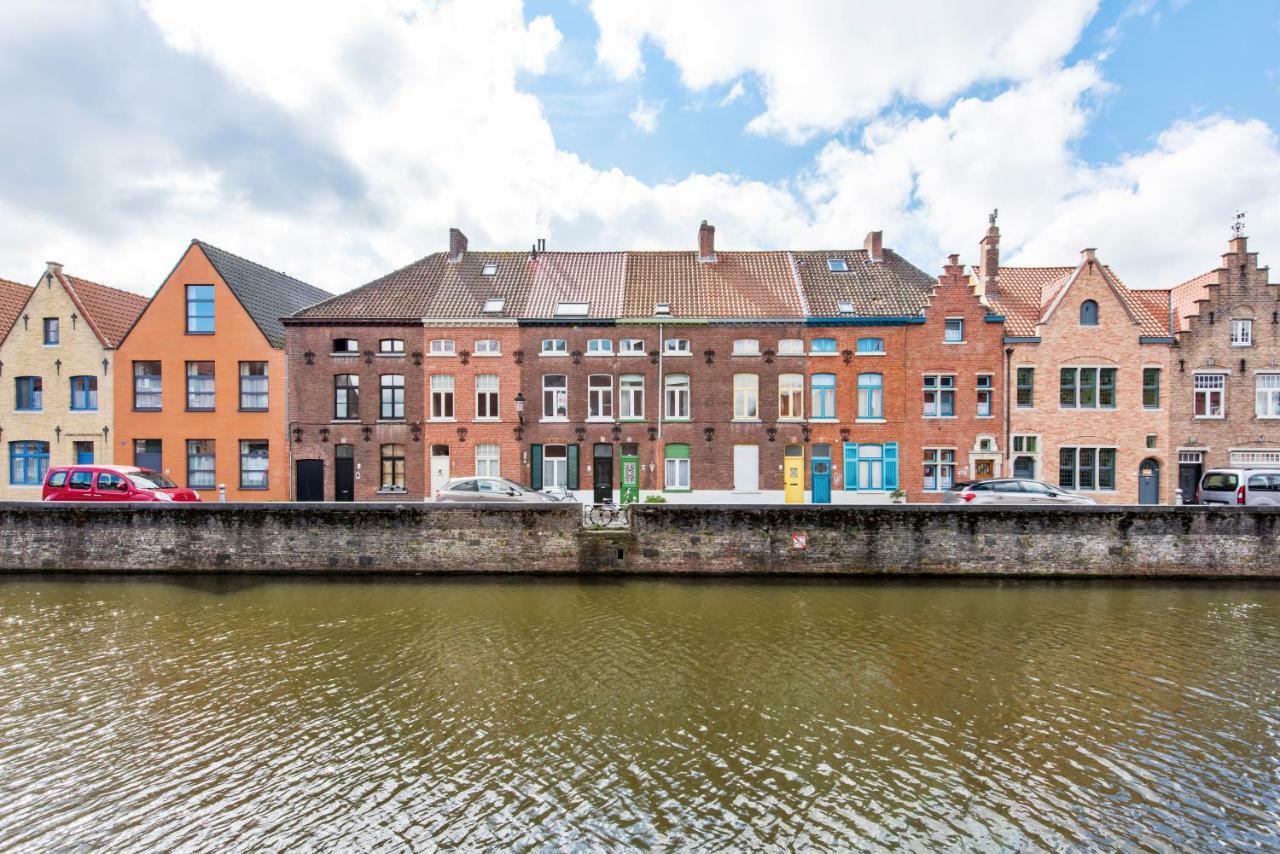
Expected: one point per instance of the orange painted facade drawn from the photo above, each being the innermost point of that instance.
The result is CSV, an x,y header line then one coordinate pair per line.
x,y
160,336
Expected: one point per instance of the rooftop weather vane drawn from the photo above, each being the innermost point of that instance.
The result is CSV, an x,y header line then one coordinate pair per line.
x,y
991,217
1237,228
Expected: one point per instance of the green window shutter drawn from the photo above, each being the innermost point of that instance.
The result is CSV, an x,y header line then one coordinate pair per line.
x,y
890,465
573,466
851,466
535,467
677,452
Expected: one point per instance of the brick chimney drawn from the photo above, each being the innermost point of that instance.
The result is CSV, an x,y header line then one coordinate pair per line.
x,y
989,259
457,244
706,242
52,268
1089,255
874,244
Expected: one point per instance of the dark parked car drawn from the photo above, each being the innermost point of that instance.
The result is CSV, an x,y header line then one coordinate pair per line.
x,y
112,483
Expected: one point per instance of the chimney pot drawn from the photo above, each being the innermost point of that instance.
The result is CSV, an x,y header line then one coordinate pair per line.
x,y
457,244
874,245
706,242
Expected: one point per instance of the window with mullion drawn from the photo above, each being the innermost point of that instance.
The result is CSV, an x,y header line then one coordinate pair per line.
x,y
200,386
253,386
631,397
870,395
84,393
147,386
790,397
600,396
939,396
28,461
254,464
442,388
200,315
1151,388
201,464
29,394
346,397
822,396
746,397
487,397
392,390
1268,395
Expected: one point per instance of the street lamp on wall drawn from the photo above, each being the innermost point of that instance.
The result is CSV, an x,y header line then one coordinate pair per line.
x,y
520,407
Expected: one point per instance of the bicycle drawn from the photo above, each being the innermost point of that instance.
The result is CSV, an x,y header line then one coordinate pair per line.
x,y
561,493
608,515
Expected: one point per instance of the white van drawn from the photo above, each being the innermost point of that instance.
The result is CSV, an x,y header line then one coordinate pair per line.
x,y
1246,487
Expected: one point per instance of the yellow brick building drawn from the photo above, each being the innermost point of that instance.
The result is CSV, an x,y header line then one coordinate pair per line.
x,y
55,378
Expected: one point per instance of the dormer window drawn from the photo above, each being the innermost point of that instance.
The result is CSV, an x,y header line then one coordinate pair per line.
x,y
837,265
493,306
845,306
391,345
1088,313
442,347
345,346
662,309
572,309
489,269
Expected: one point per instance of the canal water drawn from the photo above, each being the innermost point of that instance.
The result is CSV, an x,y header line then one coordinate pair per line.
x,y
145,714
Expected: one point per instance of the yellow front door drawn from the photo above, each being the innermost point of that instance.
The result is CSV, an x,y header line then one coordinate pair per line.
x,y
793,473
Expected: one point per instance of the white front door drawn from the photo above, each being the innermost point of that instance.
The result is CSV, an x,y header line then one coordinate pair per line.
x,y
439,467
746,468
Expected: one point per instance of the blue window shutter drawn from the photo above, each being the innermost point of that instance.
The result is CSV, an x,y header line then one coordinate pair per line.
x,y
535,467
851,466
890,465
573,466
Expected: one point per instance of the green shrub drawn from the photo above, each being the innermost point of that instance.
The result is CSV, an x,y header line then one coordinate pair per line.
x,y
655,499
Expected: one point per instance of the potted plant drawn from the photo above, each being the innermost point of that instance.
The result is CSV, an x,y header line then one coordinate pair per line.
x,y
898,496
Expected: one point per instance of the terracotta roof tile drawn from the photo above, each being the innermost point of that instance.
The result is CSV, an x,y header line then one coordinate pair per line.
x,y
109,311
736,284
13,297
1186,296
595,278
891,288
1027,292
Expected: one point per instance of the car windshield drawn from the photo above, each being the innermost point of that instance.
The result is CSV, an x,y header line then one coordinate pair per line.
x,y
148,479
1220,481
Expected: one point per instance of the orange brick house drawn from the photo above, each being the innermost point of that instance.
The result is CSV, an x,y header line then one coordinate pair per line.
x,y
200,378
1089,374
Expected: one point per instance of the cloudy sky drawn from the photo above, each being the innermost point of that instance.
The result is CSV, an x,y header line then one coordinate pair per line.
x,y
339,140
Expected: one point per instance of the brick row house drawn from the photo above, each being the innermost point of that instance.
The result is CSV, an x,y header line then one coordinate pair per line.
x,y
827,376
57,362
1225,384
200,377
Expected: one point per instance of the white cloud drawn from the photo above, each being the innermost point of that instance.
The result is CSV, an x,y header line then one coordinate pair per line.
x,y
645,115
825,63
735,92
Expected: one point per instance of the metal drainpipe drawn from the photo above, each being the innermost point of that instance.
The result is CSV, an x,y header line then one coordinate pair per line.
x,y
662,400
1008,446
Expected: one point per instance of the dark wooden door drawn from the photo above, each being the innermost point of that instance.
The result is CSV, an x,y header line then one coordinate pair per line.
x,y
602,473
1188,480
344,474
310,480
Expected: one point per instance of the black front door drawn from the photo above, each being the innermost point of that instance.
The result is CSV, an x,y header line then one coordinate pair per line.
x,y
602,473
344,473
310,479
1188,480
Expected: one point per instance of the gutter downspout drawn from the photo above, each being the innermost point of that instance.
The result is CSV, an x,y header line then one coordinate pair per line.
x,y
1008,399
662,405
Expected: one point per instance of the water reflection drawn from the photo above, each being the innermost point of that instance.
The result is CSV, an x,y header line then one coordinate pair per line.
x,y
265,712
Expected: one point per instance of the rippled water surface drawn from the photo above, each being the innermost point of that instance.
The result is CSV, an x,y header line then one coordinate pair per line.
x,y
151,714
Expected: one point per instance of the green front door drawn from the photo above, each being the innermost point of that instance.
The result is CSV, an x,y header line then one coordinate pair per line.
x,y
630,480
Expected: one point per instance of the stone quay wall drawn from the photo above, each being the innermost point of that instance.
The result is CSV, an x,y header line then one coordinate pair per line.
x,y
1189,542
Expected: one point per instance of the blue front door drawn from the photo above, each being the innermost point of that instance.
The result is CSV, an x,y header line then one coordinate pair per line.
x,y
820,475
84,453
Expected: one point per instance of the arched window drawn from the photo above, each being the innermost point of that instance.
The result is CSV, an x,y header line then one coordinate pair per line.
x,y
1088,313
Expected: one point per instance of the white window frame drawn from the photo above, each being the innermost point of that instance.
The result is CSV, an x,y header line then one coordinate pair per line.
x,y
950,324
1266,395
631,347
488,347
391,346
676,397
746,347
488,460
554,347
677,474
555,466
791,386
986,392
600,397
444,398
1208,385
493,305
791,347
746,397
489,386
557,395
631,397
600,347
573,309
1242,332
677,347
442,347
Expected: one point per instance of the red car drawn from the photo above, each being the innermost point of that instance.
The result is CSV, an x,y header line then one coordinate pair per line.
x,y
112,483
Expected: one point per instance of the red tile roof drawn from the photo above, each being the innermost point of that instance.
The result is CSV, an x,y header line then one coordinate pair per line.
x,y
1026,293
892,287
1186,296
736,284
110,312
13,297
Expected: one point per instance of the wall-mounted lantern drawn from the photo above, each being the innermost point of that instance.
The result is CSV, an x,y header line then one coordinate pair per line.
x,y
309,357
520,407
709,433
771,432
462,434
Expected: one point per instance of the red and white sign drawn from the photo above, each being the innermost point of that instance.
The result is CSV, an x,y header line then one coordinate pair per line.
x,y
799,541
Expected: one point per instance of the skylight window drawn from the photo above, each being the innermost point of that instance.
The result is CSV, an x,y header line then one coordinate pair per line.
x,y
490,269
837,265
493,306
572,309
845,306
663,308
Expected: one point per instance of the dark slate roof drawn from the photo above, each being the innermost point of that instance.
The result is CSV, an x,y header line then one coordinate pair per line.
x,y
13,297
891,287
266,294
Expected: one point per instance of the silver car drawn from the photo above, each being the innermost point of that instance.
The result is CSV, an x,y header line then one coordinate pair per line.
x,y
488,490
1247,487
1012,490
